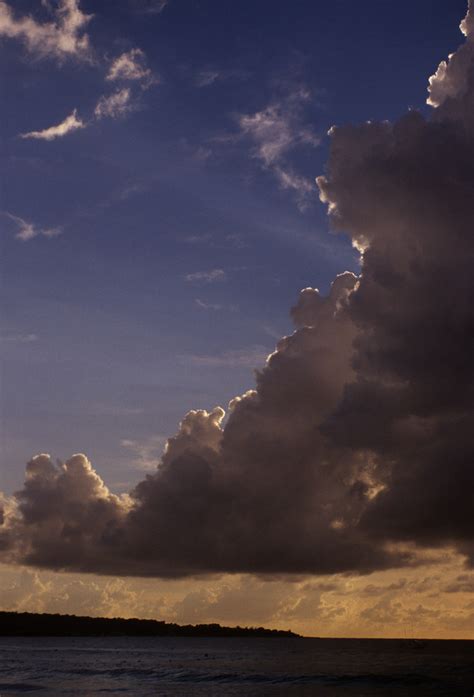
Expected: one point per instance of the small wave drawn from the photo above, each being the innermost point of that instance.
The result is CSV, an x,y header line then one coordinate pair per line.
x,y
183,675
187,676
20,687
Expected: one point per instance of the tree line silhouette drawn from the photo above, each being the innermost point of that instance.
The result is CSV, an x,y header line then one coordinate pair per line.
x,y
44,624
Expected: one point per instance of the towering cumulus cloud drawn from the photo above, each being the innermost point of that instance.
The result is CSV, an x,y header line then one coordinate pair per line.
x,y
356,448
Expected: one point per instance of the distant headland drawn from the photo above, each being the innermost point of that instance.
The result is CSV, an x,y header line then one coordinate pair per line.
x,y
35,624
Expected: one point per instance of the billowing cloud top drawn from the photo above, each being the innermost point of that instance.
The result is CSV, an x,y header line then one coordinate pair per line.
x,y
356,446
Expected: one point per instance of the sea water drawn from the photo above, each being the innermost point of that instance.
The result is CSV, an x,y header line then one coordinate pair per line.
x,y
227,667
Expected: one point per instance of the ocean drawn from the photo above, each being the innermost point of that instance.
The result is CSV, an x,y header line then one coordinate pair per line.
x,y
227,667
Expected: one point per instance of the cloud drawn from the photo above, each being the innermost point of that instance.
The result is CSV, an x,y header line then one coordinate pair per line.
x,y
354,451
464,583
207,306
248,358
206,276
27,231
402,193
452,80
71,123
18,338
111,106
277,130
147,452
131,66
151,7
115,105
62,38
207,77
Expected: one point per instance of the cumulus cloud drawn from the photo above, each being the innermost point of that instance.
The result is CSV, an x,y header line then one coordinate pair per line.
x,y
131,66
452,79
403,193
277,130
62,38
354,452
27,231
70,124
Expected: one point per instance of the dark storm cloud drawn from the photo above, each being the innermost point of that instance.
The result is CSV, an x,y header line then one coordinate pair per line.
x,y
405,193
359,434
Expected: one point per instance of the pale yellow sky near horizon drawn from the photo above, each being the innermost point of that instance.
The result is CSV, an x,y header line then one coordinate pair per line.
x,y
435,600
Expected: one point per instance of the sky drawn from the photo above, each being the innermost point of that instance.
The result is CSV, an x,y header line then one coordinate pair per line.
x,y
159,216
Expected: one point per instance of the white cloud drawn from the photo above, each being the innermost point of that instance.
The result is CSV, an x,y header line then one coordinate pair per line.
x,y
206,77
278,128
18,338
275,131
110,106
114,105
240,358
131,66
27,231
206,276
62,38
71,123
304,187
151,7
207,306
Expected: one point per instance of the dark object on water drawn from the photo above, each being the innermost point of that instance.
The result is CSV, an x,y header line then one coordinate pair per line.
x,y
33,624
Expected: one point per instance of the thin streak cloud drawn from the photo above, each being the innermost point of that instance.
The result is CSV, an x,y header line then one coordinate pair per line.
x,y
277,130
213,276
70,124
27,231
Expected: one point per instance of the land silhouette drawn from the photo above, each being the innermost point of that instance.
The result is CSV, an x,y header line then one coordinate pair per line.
x,y
39,624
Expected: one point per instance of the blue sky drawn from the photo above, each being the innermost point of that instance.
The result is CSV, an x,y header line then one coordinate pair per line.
x,y
150,256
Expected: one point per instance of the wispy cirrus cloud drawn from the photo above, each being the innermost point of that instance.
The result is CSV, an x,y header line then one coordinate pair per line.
x,y
27,231
207,306
236,358
207,77
18,338
111,106
277,130
70,124
132,66
114,105
63,37
151,7
210,75
206,276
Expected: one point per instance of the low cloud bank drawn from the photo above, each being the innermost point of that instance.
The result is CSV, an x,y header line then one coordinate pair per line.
x,y
356,447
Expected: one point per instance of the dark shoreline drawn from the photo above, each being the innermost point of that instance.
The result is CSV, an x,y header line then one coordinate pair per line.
x,y
45,624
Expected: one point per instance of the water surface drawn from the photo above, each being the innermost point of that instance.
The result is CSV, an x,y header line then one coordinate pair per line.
x,y
227,667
